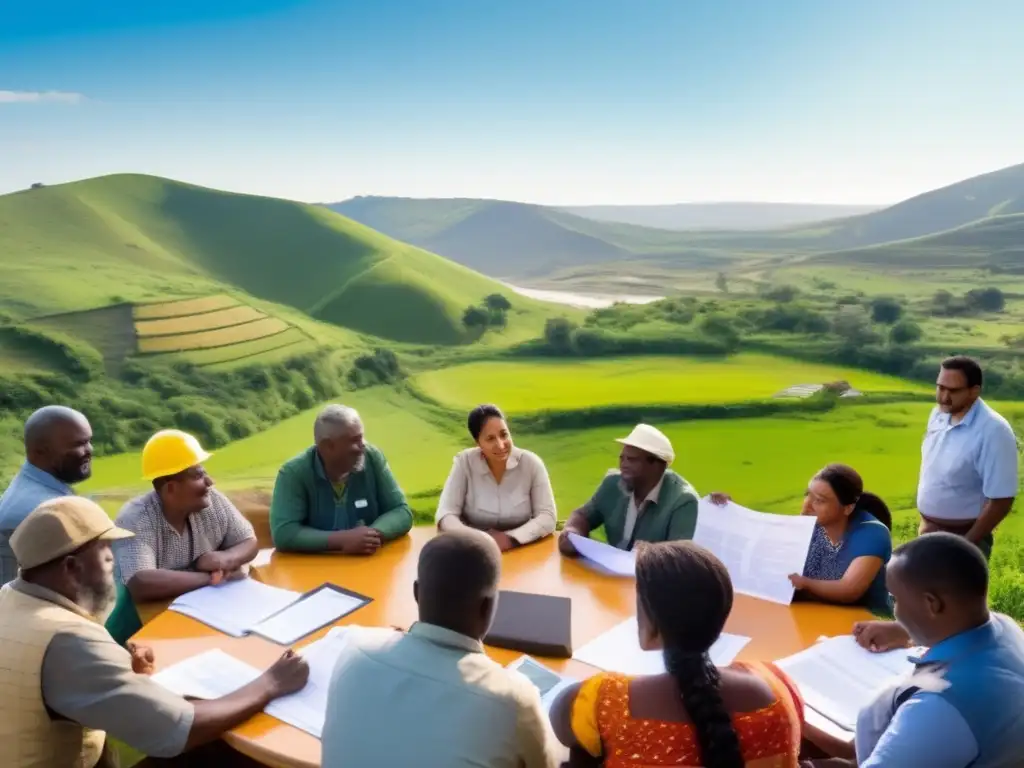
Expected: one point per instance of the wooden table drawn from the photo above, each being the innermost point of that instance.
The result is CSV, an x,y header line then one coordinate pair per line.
x,y
599,602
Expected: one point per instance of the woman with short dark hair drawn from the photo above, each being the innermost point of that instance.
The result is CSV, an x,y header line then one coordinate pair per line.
x,y
497,487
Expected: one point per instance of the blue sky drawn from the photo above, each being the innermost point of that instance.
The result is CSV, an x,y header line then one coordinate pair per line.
x,y
552,101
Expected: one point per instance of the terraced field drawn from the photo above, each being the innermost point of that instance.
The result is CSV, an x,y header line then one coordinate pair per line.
x,y
214,330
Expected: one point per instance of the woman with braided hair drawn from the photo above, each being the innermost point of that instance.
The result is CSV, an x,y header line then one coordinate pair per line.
x,y
695,715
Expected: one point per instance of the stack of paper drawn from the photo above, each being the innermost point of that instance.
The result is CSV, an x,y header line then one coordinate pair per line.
x,y
262,557
618,650
547,681
314,611
615,561
760,550
234,607
837,678
213,674
307,708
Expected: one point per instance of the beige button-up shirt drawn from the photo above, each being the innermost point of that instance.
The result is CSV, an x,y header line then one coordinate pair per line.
x,y
522,505
431,698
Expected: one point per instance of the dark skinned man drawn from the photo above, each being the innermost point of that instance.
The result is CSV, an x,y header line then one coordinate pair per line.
x,y
442,701
968,477
187,534
962,705
338,495
58,454
67,683
643,501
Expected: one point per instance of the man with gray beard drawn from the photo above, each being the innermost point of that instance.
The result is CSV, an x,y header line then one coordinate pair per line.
x,y
67,683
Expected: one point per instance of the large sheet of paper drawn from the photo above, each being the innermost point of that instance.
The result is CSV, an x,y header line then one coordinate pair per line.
x,y
616,561
307,708
323,607
208,675
234,607
837,678
759,549
548,682
618,650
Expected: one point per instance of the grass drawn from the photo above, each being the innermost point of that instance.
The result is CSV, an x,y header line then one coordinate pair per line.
x,y
254,350
565,385
135,239
220,337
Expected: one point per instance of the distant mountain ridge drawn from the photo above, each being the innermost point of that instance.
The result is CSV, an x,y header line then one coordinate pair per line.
x,y
697,217
518,240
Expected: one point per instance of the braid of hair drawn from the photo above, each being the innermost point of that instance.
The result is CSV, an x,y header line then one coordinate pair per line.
x,y
698,680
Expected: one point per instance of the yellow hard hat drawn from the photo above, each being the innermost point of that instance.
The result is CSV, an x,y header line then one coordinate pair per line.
x,y
169,452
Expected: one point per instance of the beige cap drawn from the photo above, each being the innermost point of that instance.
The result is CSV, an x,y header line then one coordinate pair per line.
x,y
651,440
58,527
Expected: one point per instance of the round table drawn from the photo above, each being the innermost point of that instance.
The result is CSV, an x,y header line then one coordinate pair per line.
x,y
599,602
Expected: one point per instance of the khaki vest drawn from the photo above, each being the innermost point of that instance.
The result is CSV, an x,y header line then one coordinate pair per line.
x,y
29,736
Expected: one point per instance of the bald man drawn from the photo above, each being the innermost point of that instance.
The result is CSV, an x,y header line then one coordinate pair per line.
x,y
58,454
431,697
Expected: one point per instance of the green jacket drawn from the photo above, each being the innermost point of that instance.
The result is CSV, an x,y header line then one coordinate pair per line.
x,y
673,516
305,510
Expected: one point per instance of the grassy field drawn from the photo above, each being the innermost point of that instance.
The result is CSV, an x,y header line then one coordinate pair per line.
x,y
537,385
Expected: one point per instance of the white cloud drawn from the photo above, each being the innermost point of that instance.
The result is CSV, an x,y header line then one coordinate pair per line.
x,y
34,97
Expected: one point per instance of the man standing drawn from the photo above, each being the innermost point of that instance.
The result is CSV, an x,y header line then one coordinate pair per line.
x,y
447,704
968,477
643,501
187,534
339,494
67,684
58,454
962,705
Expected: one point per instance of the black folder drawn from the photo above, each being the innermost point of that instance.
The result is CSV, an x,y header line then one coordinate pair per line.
x,y
540,625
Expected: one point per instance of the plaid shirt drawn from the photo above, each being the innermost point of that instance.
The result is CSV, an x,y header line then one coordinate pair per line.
x,y
157,545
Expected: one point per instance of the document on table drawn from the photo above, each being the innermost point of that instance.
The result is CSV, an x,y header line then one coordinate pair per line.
x,y
262,557
617,561
234,607
247,606
760,550
313,611
837,678
209,675
307,708
618,650
548,682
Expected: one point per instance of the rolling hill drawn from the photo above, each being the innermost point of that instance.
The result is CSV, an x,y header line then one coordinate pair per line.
x,y
126,239
517,240
695,217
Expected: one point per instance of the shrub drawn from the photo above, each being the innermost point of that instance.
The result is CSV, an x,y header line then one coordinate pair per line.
x,y
498,303
476,317
379,367
886,310
905,332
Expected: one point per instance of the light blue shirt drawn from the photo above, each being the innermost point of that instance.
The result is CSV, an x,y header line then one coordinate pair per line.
x,y
29,488
925,731
964,464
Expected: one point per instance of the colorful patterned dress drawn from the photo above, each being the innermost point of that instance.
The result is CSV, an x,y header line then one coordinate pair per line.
x,y
603,726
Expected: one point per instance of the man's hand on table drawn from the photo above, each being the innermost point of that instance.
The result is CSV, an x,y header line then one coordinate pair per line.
x,y
879,636
287,675
359,541
143,660
565,545
212,562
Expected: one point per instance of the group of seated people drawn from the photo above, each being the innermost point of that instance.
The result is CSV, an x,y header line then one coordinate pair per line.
x,y
75,569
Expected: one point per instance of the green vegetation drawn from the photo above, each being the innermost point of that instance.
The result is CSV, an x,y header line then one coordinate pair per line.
x,y
72,247
539,385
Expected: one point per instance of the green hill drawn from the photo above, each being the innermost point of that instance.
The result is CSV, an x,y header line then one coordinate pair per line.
x,y
129,238
517,240
695,217
996,242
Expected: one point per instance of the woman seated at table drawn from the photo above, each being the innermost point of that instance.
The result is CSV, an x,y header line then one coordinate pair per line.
x,y
497,487
694,714
851,542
